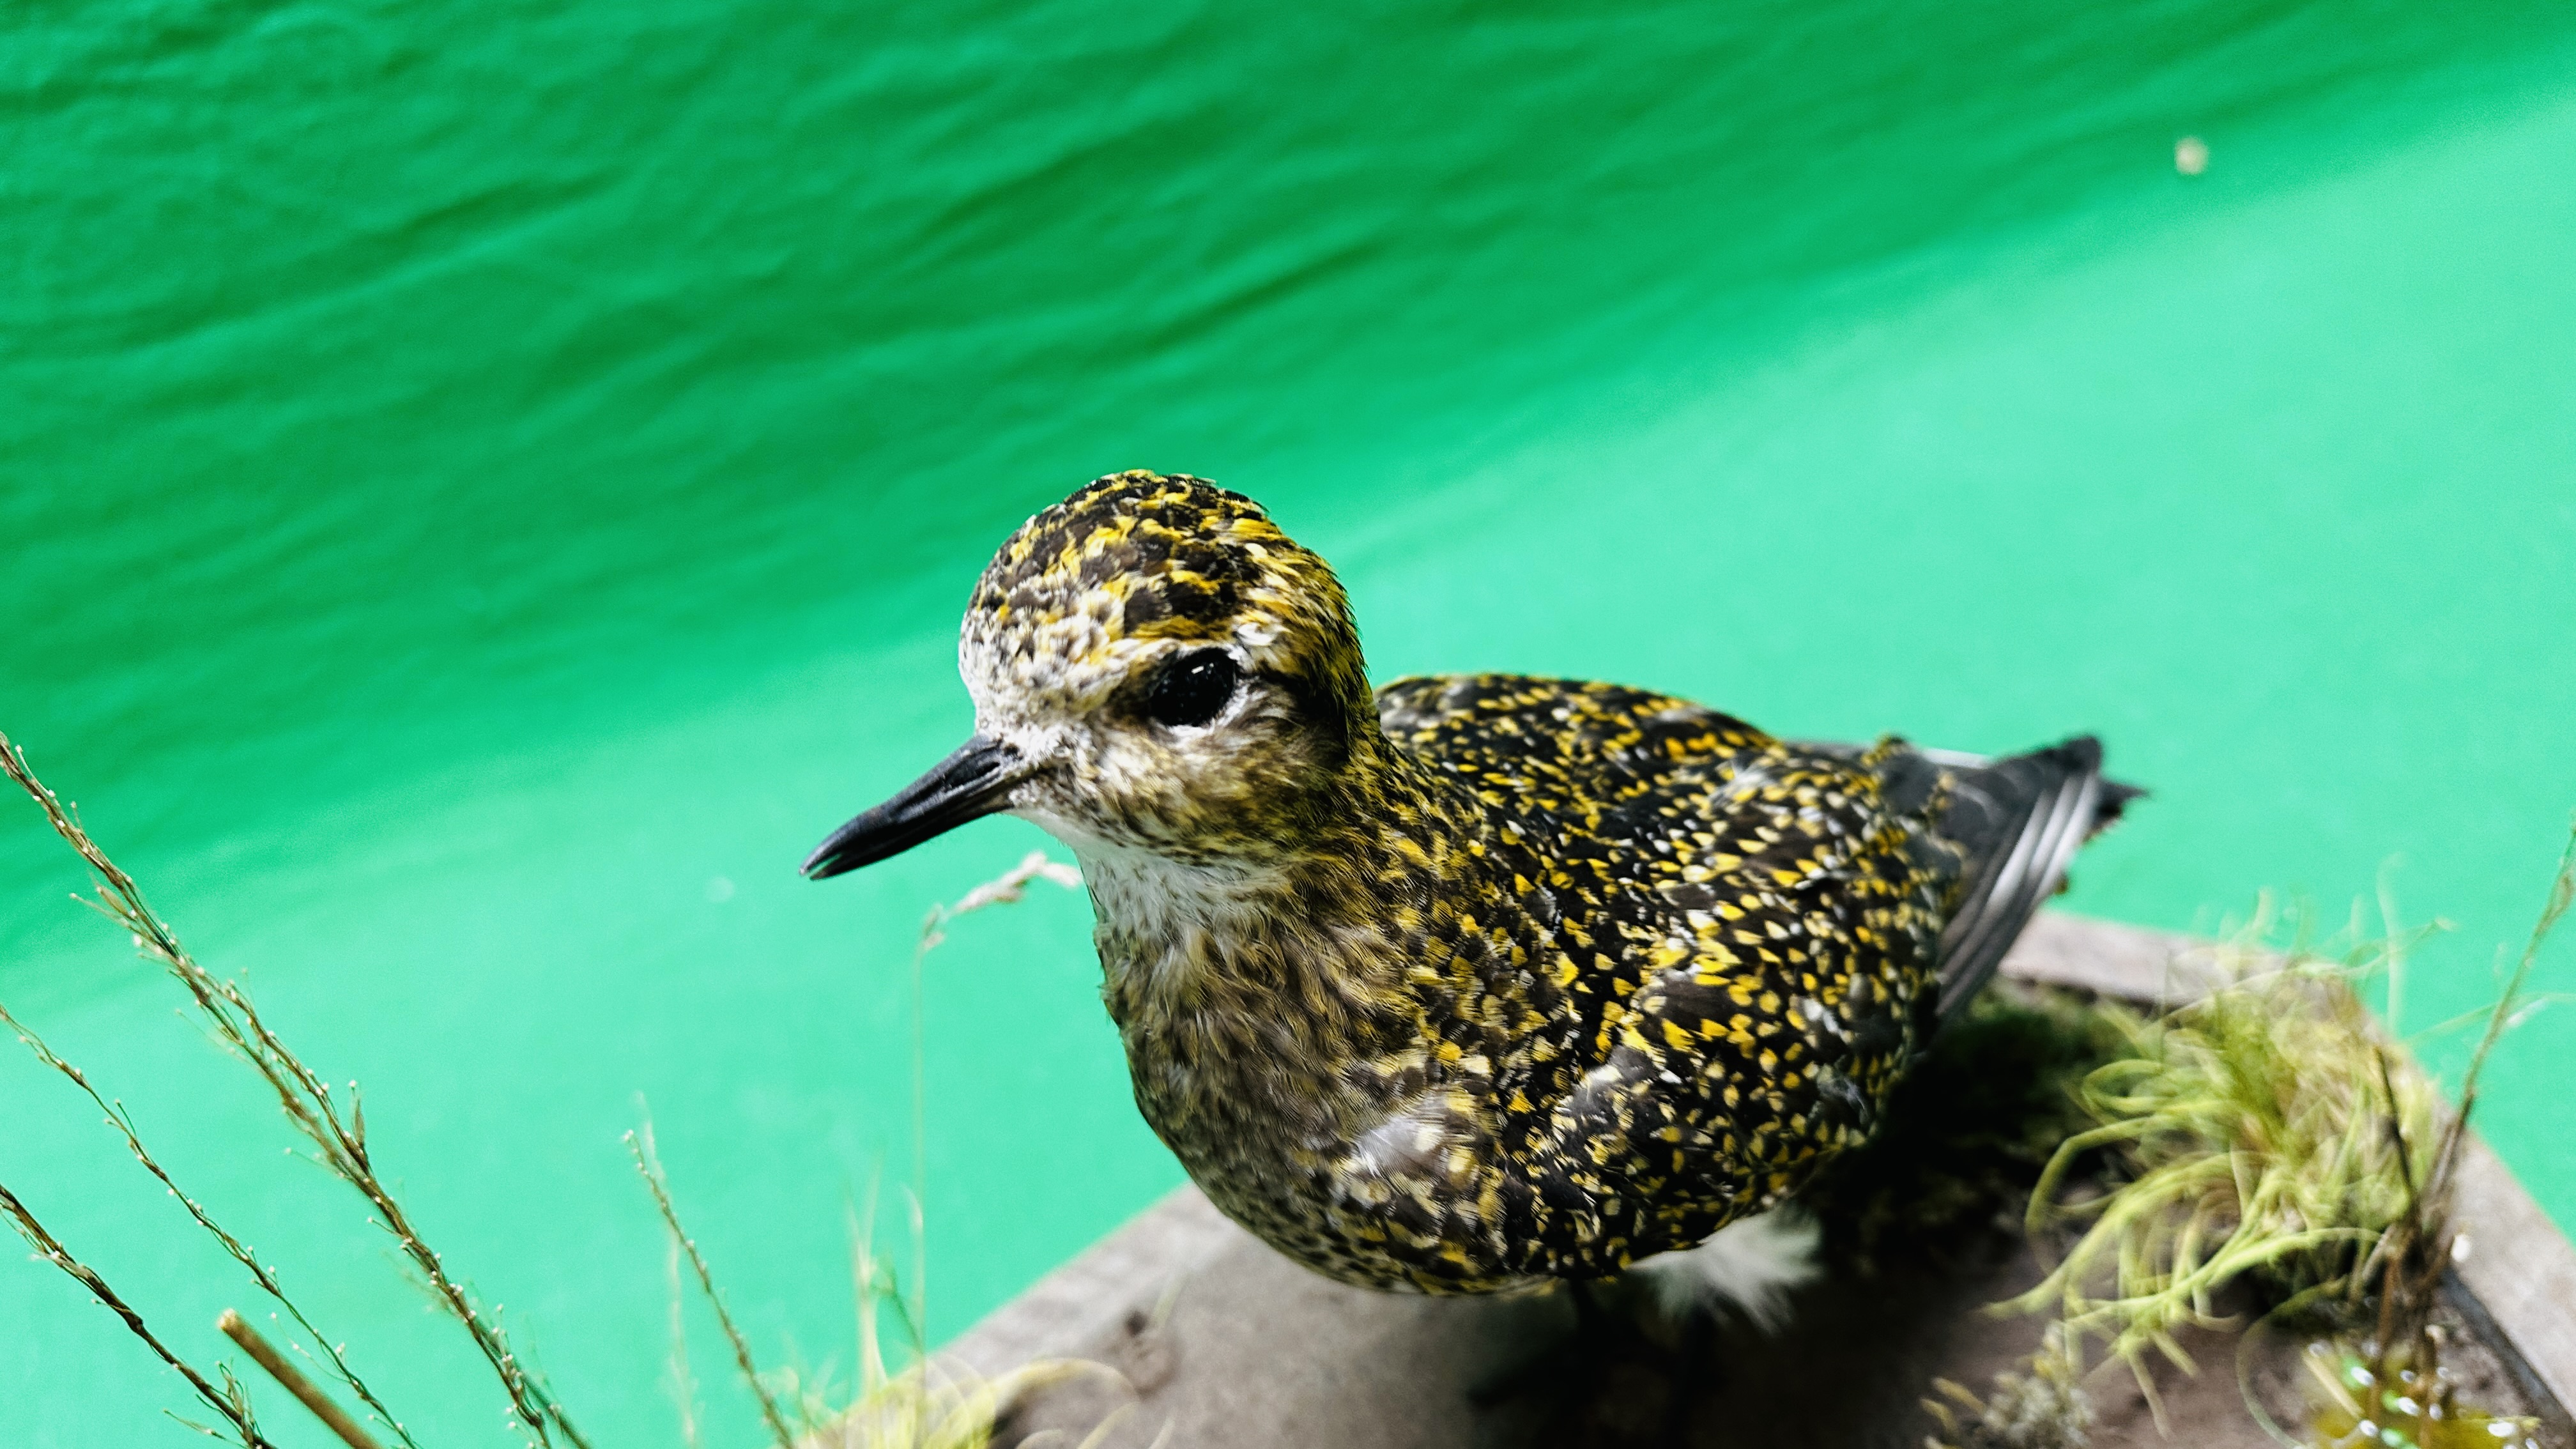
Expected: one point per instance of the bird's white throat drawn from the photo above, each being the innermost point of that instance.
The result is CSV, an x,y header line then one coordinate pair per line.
x,y
1177,915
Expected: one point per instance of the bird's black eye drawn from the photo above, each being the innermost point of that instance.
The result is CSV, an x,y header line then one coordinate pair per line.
x,y
1193,688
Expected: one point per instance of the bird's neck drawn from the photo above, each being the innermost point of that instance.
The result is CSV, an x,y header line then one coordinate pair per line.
x,y
1377,833
1297,956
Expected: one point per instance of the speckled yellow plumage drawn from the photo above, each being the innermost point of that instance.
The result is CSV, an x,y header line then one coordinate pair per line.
x,y
1479,980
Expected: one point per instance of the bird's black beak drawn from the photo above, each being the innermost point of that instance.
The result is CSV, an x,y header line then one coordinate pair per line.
x,y
966,786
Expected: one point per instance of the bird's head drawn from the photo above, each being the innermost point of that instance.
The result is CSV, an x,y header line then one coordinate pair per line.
x,y
1155,667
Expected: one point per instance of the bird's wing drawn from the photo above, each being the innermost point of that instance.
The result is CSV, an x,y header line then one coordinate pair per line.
x,y
1779,976
1747,940
2015,824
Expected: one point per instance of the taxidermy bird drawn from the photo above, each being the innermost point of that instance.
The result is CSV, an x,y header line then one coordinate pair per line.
x,y
1474,981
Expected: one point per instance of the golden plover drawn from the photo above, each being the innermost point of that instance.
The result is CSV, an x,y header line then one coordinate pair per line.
x,y
1473,981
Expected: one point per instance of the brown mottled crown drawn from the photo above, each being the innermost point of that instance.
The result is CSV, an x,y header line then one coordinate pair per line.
x,y
1135,559
1169,549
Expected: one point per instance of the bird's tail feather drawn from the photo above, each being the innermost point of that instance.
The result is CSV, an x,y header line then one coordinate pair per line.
x,y
2020,820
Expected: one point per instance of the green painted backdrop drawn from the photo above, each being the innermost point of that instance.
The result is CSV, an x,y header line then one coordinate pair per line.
x,y
488,484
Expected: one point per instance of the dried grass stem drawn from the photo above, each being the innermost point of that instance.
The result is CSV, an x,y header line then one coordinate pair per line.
x,y
228,1401
292,1379
640,1143
339,1140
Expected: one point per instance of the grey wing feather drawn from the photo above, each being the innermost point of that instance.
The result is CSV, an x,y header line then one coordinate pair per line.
x,y
2019,822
